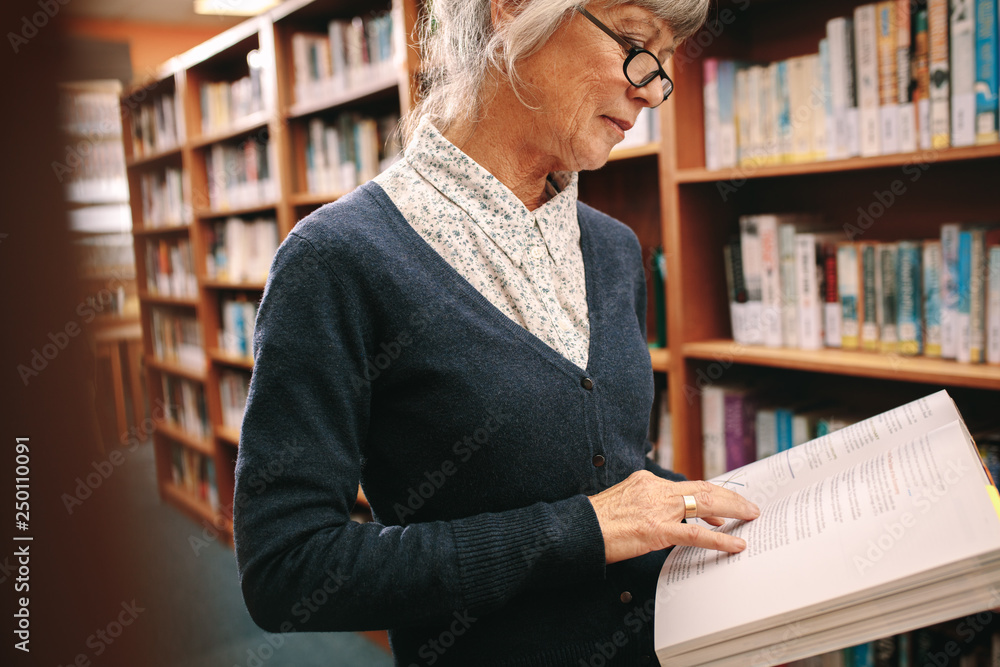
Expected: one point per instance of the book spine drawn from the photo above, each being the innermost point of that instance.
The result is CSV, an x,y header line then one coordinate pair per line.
x,y
783,426
713,424
889,327
993,305
922,77
789,286
832,320
741,446
848,274
727,114
987,73
909,315
963,348
939,54
771,307
750,253
836,36
866,46
932,298
888,81
818,97
738,292
810,311
977,295
766,433
904,77
870,334
743,117
963,73
949,290
710,71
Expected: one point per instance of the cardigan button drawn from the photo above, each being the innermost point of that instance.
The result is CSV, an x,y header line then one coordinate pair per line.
x,y
626,597
598,460
587,383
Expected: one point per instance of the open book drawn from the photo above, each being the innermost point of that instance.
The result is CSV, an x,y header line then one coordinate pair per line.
x,y
888,525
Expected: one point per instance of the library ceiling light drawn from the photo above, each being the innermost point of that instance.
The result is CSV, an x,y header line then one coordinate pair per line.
x,y
234,7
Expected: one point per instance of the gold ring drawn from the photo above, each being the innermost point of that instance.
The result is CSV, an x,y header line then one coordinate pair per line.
x,y
690,507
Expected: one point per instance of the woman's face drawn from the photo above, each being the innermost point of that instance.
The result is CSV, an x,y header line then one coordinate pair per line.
x,y
585,103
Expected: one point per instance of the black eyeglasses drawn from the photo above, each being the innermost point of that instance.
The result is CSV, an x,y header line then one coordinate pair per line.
x,y
641,66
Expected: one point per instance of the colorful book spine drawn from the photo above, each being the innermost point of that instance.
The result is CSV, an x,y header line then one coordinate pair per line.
x,y
782,110
922,78
987,73
887,34
750,252
741,444
771,307
810,311
909,318
727,114
963,73
932,298
710,71
949,290
939,56
832,319
866,51
904,75
888,254
841,77
870,335
848,284
963,348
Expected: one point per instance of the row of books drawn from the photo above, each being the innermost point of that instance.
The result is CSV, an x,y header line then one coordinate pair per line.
x,y
350,53
973,641
236,333
91,113
177,339
895,77
185,406
154,125
790,284
164,198
98,175
742,424
106,255
225,103
241,250
234,386
169,268
194,473
352,149
240,174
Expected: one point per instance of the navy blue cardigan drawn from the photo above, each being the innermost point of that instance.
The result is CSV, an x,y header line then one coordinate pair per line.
x,y
476,444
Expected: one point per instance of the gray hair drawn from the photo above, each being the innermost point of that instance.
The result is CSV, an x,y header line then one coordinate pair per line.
x,y
460,49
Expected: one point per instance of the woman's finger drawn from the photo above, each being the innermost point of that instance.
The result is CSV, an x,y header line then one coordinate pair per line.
x,y
689,534
711,500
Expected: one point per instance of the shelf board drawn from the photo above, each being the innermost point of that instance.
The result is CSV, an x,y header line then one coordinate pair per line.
x,y
844,362
254,121
174,432
207,214
634,151
306,107
188,503
144,160
660,358
930,156
163,300
168,229
229,434
174,369
314,198
228,359
225,284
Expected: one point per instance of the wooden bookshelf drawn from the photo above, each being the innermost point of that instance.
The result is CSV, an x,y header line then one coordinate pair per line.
x,y
281,118
701,209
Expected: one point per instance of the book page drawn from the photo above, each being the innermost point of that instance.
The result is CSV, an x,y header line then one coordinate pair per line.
x,y
778,476
907,510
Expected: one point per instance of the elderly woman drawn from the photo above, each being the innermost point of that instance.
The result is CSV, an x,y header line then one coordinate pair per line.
x,y
467,340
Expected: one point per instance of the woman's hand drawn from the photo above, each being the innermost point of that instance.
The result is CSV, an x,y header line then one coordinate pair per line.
x,y
644,513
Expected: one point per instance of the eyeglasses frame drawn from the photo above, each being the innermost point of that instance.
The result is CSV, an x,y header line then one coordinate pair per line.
x,y
633,51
